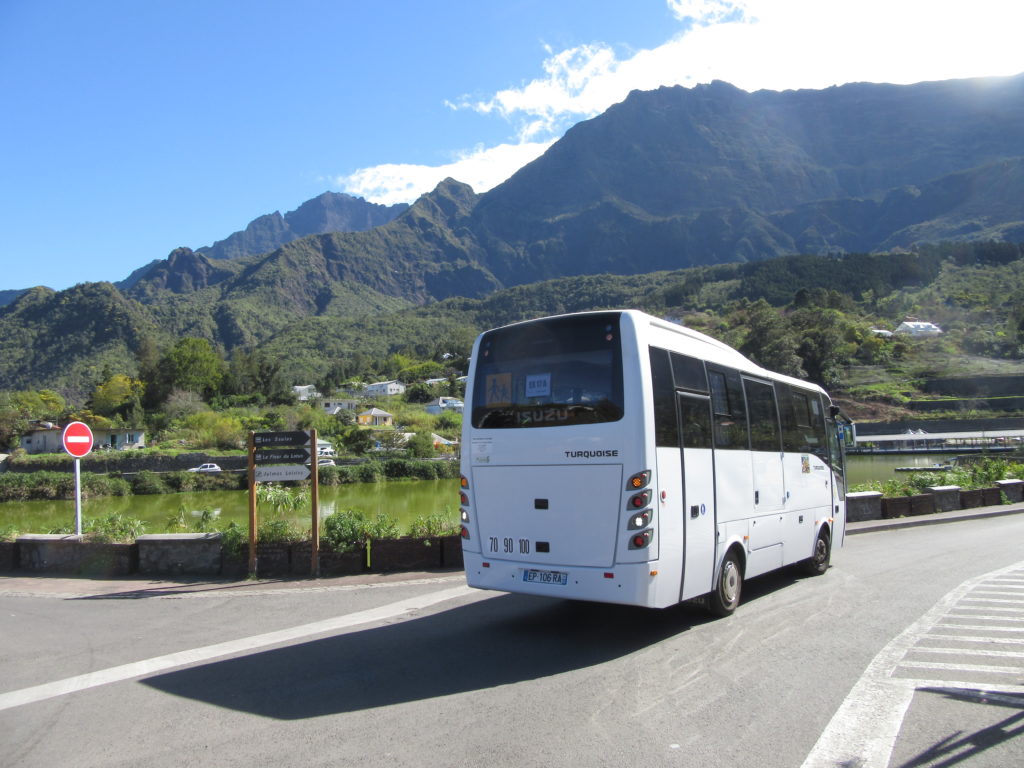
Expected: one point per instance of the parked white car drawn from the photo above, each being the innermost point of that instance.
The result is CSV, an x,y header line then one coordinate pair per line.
x,y
206,468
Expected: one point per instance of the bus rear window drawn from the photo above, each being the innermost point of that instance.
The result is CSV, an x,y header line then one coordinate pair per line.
x,y
551,373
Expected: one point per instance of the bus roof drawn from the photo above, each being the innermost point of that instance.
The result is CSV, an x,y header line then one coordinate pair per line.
x,y
719,352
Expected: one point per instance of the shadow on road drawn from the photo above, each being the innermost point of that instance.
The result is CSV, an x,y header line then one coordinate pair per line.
x,y
960,747
506,639
502,640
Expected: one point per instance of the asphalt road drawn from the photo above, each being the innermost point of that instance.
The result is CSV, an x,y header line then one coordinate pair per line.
x,y
908,652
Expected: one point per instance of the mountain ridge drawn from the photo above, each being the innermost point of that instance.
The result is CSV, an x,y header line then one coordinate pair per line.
x,y
666,180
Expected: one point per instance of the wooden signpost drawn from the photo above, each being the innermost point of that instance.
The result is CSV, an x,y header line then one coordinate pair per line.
x,y
281,457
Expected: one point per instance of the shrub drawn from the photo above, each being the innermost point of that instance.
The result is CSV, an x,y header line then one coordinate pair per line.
x,y
103,485
114,528
233,540
344,531
148,482
206,522
432,526
178,521
370,472
283,498
383,526
277,530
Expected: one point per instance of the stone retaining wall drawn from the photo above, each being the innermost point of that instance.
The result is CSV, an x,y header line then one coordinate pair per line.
x,y
201,554
177,554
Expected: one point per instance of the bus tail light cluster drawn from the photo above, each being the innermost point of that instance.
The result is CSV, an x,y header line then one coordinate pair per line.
x,y
464,506
639,521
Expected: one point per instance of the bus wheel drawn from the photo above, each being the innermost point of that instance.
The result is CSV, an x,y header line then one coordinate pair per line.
x,y
726,596
817,564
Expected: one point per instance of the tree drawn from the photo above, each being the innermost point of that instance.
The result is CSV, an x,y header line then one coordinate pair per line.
x,y
357,441
421,445
117,396
770,341
192,365
14,421
823,346
419,393
258,375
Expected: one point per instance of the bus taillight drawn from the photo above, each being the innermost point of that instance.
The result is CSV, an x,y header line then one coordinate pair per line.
x,y
639,480
638,500
464,504
640,520
464,533
640,540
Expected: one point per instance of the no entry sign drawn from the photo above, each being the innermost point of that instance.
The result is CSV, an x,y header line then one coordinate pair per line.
x,y
77,439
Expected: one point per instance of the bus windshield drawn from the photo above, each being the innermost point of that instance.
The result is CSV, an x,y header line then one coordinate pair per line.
x,y
558,372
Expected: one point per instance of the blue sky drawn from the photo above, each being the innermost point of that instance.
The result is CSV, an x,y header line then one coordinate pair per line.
x,y
132,127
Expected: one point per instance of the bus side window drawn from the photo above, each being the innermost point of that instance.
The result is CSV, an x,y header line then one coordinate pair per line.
x,y
764,418
689,373
696,418
818,424
666,429
730,417
792,442
810,423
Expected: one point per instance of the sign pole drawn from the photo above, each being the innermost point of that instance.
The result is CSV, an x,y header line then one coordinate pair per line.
x,y
78,497
77,439
314,566
252,504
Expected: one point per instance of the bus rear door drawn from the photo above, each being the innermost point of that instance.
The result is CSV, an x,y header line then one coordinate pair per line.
x,y
699,519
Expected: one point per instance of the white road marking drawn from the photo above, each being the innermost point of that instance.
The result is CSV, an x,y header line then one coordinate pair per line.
x,y
864,729
242,645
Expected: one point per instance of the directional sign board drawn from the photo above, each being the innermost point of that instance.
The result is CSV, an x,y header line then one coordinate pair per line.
x,y
280,439
281,455
77,439
281,473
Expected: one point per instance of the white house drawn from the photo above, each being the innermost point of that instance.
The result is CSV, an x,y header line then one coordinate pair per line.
x,y
442,404
333,407
918,330
385,388
46,438
305,392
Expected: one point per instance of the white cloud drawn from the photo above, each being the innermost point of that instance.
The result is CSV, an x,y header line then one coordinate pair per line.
x,y
753,44
706,11
481,168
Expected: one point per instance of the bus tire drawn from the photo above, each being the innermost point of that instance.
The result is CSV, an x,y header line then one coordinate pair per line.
x,y
726,595
817,564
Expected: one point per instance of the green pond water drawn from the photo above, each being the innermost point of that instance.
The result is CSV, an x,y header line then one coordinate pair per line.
x,y
402,500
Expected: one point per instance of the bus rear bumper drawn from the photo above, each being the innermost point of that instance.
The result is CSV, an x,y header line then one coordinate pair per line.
x,y
627,584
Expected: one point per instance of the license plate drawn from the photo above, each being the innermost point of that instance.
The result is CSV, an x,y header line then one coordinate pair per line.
x,y
546,577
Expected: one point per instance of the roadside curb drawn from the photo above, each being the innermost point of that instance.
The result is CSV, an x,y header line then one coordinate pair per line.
x,y
938,518
128,588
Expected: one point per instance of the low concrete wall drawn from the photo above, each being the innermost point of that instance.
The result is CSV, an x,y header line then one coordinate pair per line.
x,y
1014,489
947,497
61,554
8,556
863,505
922,504
177,554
